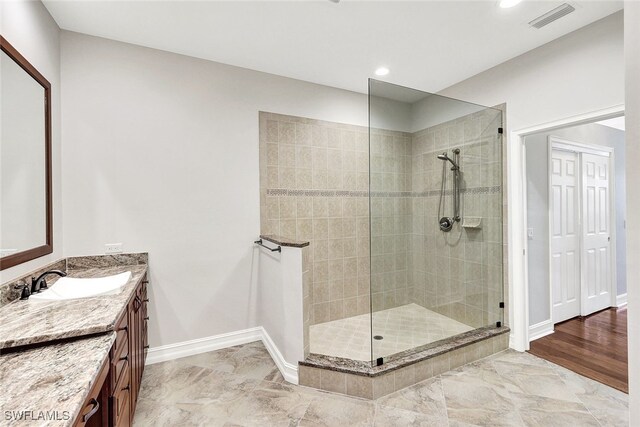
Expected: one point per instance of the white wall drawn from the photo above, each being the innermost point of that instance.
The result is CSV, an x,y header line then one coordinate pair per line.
x,y
436,109
161,154
632,123
538,208
390,114
28,26
279,303
578,73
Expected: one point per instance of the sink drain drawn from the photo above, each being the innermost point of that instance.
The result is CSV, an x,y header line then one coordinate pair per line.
x,y
378,337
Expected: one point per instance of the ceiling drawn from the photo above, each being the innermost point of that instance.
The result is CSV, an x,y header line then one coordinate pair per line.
x,y
428,45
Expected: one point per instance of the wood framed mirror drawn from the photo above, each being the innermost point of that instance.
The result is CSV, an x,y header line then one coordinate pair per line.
x,y
26,223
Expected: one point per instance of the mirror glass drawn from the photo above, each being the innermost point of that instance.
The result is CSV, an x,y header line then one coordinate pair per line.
x,y
23,169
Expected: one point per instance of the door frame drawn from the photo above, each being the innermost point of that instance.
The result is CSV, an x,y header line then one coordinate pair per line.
x,y
517,221
558,143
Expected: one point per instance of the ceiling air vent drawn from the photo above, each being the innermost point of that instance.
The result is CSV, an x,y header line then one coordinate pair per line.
x,y
552,15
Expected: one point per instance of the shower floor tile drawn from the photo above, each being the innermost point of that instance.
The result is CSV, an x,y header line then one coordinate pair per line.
x,y
401,328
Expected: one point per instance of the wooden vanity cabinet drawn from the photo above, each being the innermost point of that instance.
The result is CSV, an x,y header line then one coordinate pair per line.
x,y
95,410
121,374
135,312
128,356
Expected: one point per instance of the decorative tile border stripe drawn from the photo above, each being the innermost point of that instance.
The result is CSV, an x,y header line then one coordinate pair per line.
x,y
483,190
359,193
316,193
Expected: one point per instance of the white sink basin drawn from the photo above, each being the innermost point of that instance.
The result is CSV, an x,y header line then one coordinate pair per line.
x,y
73,287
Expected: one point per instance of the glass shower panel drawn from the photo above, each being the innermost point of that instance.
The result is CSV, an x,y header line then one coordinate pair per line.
x,y
435,198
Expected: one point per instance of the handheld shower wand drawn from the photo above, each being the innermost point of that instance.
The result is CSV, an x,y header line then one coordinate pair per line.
x,y
446,223
445,157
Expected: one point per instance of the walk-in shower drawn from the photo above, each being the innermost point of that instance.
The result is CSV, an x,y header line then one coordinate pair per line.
x,y
383,295
434,266
382,278
446,222
436,218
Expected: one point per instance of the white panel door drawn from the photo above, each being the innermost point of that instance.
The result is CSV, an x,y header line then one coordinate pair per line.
x,y
596,252
565,234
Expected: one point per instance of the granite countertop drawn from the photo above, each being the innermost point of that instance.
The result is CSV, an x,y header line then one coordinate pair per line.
x,y
48,385
32,322
284,241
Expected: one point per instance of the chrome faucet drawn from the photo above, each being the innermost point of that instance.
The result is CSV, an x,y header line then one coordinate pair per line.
x,y
40,283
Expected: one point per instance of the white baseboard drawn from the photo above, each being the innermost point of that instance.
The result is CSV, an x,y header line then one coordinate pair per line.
x,y
288,370
540,330
621,300
217,342
203,345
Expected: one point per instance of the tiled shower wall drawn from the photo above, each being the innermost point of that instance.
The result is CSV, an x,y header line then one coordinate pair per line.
x,y
459,273
314,186
314,183
390,218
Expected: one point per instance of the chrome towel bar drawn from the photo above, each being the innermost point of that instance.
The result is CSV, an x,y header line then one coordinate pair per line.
x,y
259,243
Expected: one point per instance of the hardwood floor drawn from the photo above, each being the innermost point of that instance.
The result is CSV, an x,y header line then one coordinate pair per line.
x,y
594,346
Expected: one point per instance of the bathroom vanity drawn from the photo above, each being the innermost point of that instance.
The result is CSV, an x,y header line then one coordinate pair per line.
x,y
128,356
76,362
73,354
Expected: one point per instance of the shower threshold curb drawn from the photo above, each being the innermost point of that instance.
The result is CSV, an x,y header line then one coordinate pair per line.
x,y
402,359
362,379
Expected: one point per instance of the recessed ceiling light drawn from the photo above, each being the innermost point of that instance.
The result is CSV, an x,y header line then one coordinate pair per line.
x,y
508,3
382,71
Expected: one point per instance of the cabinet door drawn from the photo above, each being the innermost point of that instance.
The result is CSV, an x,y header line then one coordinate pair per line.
x,y
121,400
145,323
141,323
137,319
94,411
133,337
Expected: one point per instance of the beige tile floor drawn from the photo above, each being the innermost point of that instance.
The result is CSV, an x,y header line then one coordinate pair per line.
x,y
402,328
241,386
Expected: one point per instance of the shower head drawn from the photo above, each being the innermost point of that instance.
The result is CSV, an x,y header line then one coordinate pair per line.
x,y
444,157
